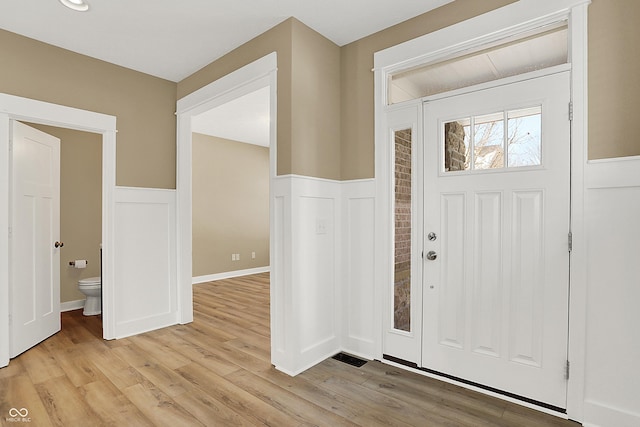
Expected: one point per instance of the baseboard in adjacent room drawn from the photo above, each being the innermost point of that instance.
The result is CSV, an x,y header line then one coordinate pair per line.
x,y
71,305
229,275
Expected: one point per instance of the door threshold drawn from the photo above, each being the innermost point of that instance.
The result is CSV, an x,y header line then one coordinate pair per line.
x,y
470,385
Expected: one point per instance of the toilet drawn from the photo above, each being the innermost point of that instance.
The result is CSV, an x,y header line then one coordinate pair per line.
x,y
92,288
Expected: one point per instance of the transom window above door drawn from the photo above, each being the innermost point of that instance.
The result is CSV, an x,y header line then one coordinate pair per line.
x,y
502,140
537,49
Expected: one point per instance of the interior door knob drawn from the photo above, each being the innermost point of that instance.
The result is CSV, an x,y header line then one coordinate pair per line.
x,y
431,255
58,244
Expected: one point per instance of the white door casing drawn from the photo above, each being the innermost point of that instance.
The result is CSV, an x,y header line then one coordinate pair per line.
x,y
496,296
35,226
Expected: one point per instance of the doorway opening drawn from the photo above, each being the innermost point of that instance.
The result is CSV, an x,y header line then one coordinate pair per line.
x,y
255,79
80,209
80,203
487,232
43,113
230,178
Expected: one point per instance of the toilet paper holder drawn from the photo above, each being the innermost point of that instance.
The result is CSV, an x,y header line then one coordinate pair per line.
x,y
73,263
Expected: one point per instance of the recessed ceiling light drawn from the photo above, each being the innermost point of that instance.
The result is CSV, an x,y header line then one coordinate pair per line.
x,y
79,5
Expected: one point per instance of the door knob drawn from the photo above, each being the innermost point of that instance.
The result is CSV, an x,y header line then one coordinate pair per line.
x,y
58,244
431,255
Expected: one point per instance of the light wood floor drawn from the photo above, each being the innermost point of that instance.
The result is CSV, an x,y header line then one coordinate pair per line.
x,y
216,372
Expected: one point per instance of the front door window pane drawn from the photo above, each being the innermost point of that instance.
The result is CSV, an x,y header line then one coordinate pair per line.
x,y
488,141
456,145
524,137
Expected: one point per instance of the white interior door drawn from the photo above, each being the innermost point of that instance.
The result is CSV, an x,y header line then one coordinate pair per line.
x,y
496,274
35,229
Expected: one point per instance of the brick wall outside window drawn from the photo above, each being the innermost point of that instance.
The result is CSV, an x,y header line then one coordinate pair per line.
x,y
402,252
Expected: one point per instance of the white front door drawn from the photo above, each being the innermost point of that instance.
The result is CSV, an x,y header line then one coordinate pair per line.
x,y
35,229
496,269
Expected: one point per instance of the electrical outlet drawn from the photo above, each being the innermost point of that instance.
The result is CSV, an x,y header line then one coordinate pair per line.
x,y
233,257
253,255
237,257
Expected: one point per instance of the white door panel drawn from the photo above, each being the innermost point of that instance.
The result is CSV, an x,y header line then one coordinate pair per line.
x,y
35,226
453,315
496,297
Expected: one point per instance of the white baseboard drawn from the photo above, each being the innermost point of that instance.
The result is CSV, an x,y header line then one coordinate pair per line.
x,y
309,364
229,275
71,305
598,414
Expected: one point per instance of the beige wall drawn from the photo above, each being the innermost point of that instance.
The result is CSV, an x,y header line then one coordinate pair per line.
x,y
315,101
310,95
80,206
308,113
307,89
144,105
277,39
614,82
230,205
325,93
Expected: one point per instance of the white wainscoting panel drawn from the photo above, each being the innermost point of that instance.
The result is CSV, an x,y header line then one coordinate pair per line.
x,y
145,280
315,240
322,283
306,300
612,375
357,297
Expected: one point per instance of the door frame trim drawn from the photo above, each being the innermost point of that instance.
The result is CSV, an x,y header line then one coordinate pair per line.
x,y
451,41
18,108
253,76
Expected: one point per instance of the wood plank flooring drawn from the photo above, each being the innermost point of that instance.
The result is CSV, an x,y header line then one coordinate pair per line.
x,y
216,371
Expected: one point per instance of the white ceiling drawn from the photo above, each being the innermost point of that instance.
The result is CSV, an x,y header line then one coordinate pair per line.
x,y
245,119
172,39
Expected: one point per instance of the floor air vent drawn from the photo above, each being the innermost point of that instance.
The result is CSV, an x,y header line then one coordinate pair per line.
x,y
351,360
